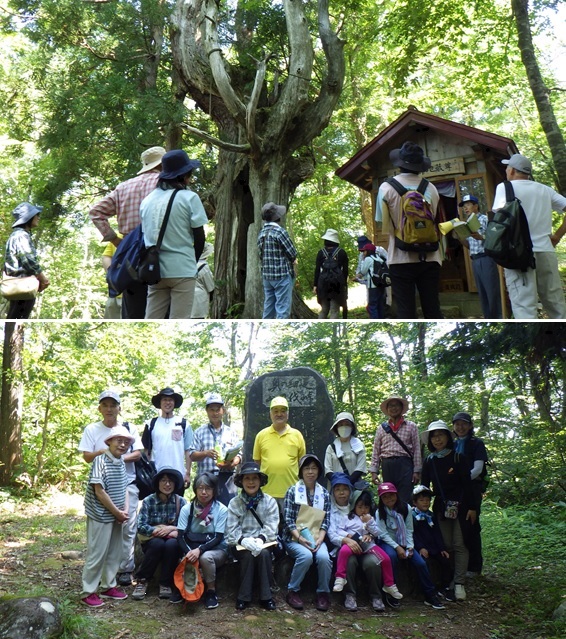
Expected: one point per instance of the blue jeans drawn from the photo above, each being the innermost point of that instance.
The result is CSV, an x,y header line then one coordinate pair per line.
x,y
418,562
376,303
278,295
303,561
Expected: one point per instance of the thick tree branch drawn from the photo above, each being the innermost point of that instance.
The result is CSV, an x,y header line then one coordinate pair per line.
x,y
223,83
234,148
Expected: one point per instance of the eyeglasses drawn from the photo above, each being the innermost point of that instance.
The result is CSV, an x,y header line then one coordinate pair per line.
x,y
204,489
122,442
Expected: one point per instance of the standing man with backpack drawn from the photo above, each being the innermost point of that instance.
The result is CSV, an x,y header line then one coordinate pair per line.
x,y
331,276
124,202
543,281
92,445
407,208
278,257
168,439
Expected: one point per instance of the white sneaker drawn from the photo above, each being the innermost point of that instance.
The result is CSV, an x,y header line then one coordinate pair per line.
x,y
460,592
377,604
339,584
393,591
350,603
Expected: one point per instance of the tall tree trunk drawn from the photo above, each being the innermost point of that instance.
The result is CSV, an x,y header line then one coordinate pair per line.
x,y
265,124
11,402
540,92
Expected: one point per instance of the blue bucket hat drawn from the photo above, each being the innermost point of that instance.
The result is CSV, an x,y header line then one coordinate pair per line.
x,y
340,478
176,163
25,212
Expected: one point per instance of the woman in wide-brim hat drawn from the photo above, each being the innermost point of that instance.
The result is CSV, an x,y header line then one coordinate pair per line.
x,y
183,240
253,521
347,453
157,532
331,295
455,502
20,258
396,448
306,519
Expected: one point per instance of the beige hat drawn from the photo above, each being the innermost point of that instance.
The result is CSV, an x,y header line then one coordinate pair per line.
x,y
151,158
119,431
403,401
331,235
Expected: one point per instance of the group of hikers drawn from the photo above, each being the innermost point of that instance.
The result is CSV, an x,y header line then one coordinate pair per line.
x,y
173,220
284,502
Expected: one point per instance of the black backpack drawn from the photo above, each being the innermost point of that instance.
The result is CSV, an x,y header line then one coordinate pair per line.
x,y
507,238
331,278
380,272
145,473
146,436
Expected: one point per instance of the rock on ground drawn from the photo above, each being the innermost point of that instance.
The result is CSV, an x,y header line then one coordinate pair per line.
x,y
30,618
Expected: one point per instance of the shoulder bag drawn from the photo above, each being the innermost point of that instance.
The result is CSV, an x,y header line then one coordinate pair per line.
x,y
149,270
19,288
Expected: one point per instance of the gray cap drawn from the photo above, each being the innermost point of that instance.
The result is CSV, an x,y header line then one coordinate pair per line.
x,y
109,394
214,398
519,163
272,212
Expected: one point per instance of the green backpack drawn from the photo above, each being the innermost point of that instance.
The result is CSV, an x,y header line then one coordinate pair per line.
x,y
507,237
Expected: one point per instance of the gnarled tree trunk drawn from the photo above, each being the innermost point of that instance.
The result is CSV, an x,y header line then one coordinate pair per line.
x,y
263,124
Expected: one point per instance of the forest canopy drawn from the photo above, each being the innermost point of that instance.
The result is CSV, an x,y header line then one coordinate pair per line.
x,y
510,376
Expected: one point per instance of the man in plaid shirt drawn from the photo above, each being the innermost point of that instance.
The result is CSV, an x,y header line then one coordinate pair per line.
x,y
124,202
485,269
278,255
397,449
210,445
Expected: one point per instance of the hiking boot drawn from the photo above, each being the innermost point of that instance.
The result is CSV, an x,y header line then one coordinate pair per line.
x,y
210,599
448,594
339,584
294,600
140,590
322,601
350,602
114,593
165,592
434,602
460,592
377,604
241,605
393,591
124,579
176,598
92,601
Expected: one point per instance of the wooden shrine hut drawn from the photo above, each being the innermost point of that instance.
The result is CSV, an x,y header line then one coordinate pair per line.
x,y
465,160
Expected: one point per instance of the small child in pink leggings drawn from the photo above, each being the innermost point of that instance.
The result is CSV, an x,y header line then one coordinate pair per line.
x,y
358,531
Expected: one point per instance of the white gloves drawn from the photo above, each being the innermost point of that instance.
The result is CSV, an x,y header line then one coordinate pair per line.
x,y
255,546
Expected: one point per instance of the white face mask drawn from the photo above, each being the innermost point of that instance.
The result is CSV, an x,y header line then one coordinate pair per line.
x,y
344,431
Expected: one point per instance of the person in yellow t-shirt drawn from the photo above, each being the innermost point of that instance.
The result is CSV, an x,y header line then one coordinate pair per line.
x,y
277,449
113,307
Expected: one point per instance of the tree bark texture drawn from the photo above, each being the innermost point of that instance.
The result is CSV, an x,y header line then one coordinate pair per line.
x,y
272,120
11,401
540,92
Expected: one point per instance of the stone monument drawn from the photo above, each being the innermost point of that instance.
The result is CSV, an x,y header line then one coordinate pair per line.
x,y
310,408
